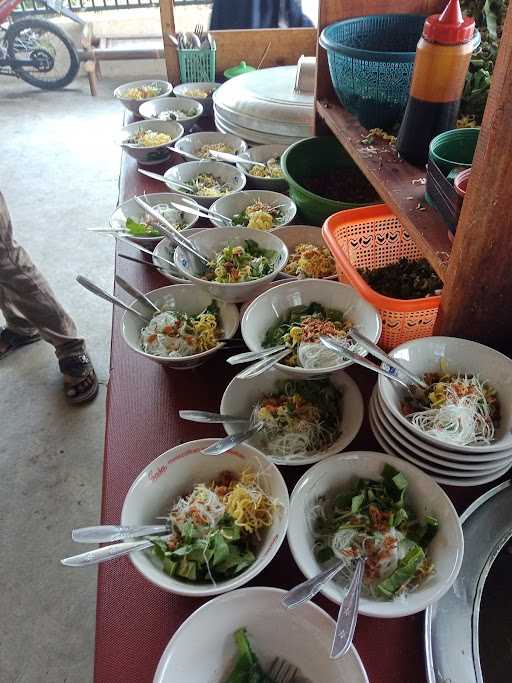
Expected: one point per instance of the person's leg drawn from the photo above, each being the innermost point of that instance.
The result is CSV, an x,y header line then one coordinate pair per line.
x,y
29,305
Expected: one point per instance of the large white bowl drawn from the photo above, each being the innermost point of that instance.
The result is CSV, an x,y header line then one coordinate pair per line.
x,y
153,108
241,395
133,105
173,474
186,298
339,473
165,248
186,172
235,203
150,156
273,305
209,242
192,143
203,649
131,209
183,88
263,153
458,355
292,235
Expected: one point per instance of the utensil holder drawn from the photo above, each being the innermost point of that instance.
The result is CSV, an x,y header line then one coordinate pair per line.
x,y
197,66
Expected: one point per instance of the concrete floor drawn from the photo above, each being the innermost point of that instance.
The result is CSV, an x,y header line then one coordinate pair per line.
x,y
58,172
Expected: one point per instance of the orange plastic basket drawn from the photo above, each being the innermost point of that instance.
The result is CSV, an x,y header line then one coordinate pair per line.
x,y
372,237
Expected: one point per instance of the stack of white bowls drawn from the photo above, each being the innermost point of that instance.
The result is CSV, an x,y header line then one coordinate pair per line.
x,y
447,463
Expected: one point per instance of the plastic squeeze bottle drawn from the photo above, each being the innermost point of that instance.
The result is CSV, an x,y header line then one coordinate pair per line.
x,y
440,67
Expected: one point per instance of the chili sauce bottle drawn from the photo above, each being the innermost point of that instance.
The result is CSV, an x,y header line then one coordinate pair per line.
x,y
440,67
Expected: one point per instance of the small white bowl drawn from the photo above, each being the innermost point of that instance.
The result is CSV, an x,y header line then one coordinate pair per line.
x,y
209,242
153,108
186,172
131,209
207,102
274,304
203,649
236,203
149,156
424,495
458,355
174,474
192,143
263,153
166,248
241,395
180,298
133,105
292,235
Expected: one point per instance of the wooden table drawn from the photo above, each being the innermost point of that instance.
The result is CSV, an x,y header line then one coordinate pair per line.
x,y
135,619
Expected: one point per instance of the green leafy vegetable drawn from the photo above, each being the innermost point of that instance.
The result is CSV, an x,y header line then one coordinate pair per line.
x,y
247,668
141,229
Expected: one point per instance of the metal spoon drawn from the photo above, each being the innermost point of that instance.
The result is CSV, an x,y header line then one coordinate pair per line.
x,y
109,552
306,590
136,293
108,534
347,616
108,297
171,267
230,442
211,418
173,40
234,158
186,154
165,180
263,365
253,355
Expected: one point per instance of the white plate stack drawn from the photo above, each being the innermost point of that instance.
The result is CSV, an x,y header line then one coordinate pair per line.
x,y
447,463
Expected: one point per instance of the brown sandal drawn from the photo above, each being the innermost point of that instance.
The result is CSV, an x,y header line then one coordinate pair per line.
x,y
80,381
14,341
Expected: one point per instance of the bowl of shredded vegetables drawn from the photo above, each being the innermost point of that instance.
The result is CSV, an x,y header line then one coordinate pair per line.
x,y
300,421
148,141
257,209
296,314
132,95
187,330
241,262
270,177
239,636
201,91
226,517
382,508
181,109
206,180
200,144
140,226
309,257
467,406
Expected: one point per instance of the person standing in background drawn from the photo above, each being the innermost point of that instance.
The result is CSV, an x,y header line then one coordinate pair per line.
x,y
234,14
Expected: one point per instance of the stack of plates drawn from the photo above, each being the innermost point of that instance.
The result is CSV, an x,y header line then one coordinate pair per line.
x,y
262,107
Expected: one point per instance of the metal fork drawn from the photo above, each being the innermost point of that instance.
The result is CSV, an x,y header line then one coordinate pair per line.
x,y
282,671
199,31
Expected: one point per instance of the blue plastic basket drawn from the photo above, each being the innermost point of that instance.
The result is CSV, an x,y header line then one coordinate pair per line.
x,y
371,60
197,66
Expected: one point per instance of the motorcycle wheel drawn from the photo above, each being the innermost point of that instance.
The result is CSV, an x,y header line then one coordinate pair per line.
x,y
54,59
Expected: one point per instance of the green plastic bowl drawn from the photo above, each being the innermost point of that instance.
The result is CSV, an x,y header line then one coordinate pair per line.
x,y
311,157
454,148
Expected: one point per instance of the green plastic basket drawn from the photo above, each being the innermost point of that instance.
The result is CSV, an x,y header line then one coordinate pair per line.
x,y
196,66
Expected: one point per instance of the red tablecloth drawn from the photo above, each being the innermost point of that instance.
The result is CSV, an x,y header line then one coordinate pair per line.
x,y
135,619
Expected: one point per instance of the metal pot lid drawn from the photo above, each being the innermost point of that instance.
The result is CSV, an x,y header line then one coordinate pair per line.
x,y
262,100
451,625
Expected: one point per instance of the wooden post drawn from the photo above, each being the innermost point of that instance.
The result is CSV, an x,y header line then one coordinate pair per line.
x,y
168,26
477,296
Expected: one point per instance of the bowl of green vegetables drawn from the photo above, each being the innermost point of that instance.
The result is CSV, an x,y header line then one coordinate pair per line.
x,y
379,507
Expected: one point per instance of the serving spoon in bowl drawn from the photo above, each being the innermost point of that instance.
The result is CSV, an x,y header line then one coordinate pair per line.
x,y
167,181
233,158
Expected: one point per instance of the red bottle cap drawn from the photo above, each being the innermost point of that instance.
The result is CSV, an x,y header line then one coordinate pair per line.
x,y
450,27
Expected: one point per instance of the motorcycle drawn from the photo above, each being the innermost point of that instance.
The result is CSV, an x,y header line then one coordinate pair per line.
x,y
36,50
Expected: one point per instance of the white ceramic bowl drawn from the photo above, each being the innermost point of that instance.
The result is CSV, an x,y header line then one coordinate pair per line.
x,y
274,304
210,242
173,474
186,172
263,153
153,108
459,355
181,298
339,474
133,105
207,102
151,155
241,395
131,209
236,203
166,248
292,235
203,649
192,143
